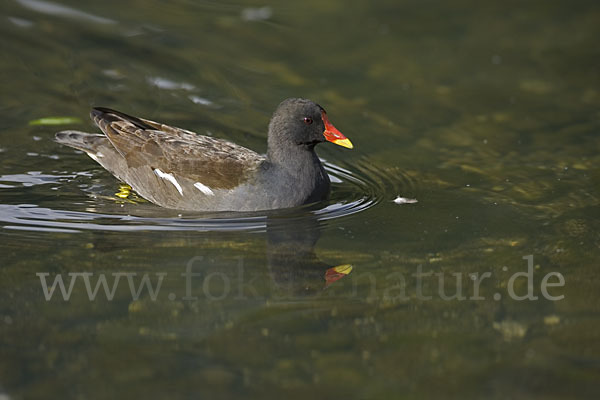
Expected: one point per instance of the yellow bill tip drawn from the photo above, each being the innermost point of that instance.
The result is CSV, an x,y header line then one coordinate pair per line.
x,y
343,269
344,143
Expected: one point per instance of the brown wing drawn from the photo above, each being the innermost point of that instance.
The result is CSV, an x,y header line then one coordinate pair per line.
x,y
214,162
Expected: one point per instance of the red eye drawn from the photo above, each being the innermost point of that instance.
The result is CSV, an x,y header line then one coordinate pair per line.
x,y
308,120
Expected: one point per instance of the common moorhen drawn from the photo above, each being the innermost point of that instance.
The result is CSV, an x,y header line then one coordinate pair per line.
x,y
176,168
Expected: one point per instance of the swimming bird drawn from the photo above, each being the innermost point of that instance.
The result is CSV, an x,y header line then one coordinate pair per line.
x,y
179,169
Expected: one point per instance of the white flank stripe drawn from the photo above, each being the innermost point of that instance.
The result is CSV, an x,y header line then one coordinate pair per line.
x,y
170,178
204,189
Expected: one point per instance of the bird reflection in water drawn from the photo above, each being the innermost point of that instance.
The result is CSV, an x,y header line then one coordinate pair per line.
x,y
292,261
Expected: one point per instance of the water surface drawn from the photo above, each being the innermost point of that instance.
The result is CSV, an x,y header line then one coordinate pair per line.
x,y
486,114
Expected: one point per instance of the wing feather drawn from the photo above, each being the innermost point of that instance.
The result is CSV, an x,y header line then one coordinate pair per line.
x,y
213,162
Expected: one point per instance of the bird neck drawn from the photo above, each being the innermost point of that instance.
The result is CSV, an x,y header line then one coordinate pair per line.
x,y
293,159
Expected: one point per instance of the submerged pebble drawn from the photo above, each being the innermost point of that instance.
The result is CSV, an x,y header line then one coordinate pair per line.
x,y
510,329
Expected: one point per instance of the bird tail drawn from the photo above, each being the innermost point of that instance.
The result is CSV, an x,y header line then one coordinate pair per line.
x,y
88,142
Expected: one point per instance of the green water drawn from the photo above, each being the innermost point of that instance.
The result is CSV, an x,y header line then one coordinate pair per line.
x,y
486,113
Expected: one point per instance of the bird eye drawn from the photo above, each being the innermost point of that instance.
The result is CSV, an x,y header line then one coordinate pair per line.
x,y
308,120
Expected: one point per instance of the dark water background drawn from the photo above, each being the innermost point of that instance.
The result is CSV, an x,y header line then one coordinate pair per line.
x,y
487,113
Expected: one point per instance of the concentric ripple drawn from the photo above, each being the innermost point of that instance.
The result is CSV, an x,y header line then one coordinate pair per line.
x,y
355,189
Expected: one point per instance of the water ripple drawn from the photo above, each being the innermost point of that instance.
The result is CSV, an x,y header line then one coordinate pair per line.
x,y
355,189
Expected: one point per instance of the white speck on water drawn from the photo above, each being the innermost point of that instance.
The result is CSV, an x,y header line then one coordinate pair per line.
x,y
404,200
113,73
49,8
200,100
36,138
204,189
30,154
257,14
167,84
21,23
170,178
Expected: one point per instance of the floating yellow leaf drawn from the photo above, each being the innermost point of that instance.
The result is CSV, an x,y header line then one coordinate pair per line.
x,y
124,191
